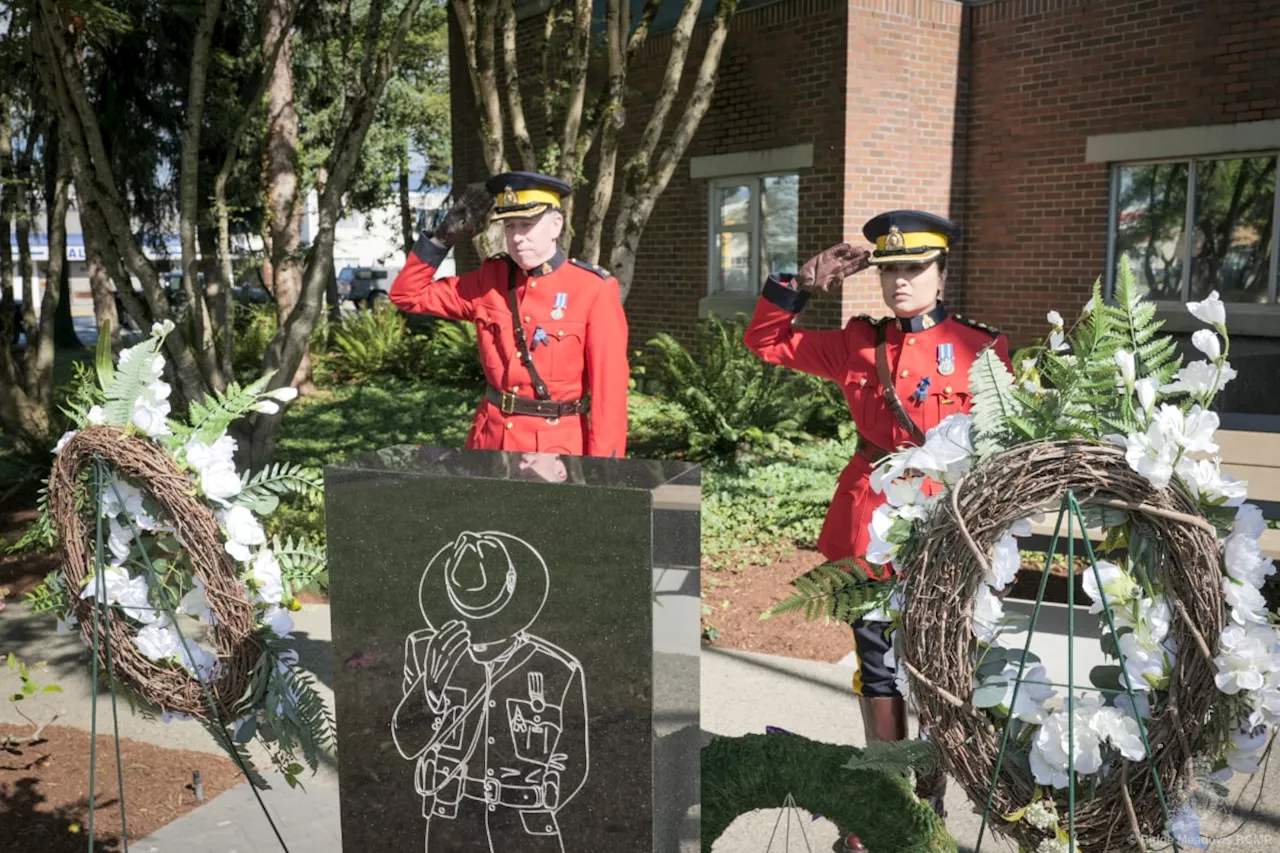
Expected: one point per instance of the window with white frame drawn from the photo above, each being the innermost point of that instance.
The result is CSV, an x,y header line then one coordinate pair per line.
x,y
753,226
1194,225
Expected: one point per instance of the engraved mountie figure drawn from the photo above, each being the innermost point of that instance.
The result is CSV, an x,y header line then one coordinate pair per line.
x,y
494,718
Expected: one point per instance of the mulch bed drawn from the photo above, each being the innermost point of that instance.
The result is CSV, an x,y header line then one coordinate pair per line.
x,y
44,789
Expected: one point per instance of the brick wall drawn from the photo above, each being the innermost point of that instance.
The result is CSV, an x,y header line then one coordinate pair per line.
x,y
1047,74
902,147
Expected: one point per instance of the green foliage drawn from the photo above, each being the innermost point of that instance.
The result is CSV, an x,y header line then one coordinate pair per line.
x,y
302,563
1135,323
129,380
209,418
753,510
40,536
731,398
834,591
30,687
50,596
895,757
368,343
995,407
255,326
446,352
261,492
755,771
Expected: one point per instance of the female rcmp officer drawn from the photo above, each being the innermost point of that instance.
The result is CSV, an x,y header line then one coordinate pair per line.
x,y
901,376
551,332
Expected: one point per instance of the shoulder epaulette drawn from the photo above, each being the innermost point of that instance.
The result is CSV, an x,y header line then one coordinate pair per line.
x,y
600,271
993,332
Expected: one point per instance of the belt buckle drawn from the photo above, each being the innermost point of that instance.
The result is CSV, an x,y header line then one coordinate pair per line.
x,y
508,404
492,790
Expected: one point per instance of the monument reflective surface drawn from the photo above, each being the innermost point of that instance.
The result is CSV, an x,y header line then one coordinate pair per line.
x,y
516,649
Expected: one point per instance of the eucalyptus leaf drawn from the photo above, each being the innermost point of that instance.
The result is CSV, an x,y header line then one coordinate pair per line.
x,y
1106,677
989,695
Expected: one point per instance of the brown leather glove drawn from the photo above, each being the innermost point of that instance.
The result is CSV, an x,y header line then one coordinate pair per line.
x,y
465,217
830,268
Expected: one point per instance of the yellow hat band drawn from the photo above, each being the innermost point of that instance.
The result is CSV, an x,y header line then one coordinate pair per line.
x,y
524,198
913,240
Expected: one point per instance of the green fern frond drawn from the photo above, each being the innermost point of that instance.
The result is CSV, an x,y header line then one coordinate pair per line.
x,y
129,379
833,591
280,479
993,402
211,417
301,562
896,757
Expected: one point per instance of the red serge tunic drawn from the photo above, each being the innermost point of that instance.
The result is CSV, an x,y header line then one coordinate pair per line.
x,y
577,333
916,349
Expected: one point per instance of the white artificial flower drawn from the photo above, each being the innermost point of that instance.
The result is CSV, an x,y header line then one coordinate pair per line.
x,y
97,416
987,613
890,468
1207,483
1145,664
200,455
119,541
900,680
1146,389
1028,364
1267,700
278,620
1042,815
1245,602
1021,527
1244,658
1050,759
1120,730
1153,622
1128,368
1244,561
195,658
1142,709
1184,826
1151,454
880,550
220,481
158,641
1199,378
947,452
1088,307
1032,698
1249,522
1054,319
1245,750
1054,845
1208,342
1058,341
243,532
1005,562
149,415
284,395
1118,586
195,604
1193,431
266,407
119,496
1210,311
62,442
266,574
162,328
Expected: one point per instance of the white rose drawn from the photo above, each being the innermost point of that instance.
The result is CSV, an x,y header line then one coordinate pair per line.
x,y
220,481
243,531
97,416
278,620
266,574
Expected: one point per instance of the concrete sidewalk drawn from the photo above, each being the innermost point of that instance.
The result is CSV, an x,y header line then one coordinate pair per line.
x,y
741,693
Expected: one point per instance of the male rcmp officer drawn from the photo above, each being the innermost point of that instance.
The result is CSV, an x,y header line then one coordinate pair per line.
x,y
494,717
552,333
901,376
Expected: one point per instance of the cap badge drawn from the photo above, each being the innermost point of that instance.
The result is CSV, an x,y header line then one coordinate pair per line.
x,y
509,198
894,241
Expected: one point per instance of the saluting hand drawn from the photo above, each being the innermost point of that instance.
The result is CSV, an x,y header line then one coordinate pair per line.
x,y
831,267
465,217
442,655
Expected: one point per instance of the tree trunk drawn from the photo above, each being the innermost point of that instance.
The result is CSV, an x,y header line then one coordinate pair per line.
x,y
57,179
283,195
7,191
406,212
291,344
40,355
189,200
104,298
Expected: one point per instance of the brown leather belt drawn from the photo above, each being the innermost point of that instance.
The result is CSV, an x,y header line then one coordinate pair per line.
x,y
870,452
497,793
510,404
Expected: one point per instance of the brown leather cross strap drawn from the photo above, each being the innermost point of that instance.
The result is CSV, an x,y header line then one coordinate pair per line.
x,y
891,393
522,345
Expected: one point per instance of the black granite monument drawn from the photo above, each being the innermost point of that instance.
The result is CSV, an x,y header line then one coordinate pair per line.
x,y
515,642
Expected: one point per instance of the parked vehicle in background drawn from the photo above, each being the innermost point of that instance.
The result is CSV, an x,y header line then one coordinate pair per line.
x,y
364,286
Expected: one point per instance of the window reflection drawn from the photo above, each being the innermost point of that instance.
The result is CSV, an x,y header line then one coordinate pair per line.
x,y
1231,245
779,217
1151,226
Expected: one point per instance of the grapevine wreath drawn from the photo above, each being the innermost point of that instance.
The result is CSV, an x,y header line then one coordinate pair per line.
x,y
1106,413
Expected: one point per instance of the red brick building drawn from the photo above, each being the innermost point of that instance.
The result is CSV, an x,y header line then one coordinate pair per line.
x,y
1061,134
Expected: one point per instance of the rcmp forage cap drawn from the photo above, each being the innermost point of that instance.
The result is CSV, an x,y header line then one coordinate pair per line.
x,y
909,237
525,194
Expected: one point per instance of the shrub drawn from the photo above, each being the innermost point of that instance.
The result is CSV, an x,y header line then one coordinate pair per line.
x,y
731,398
368,343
